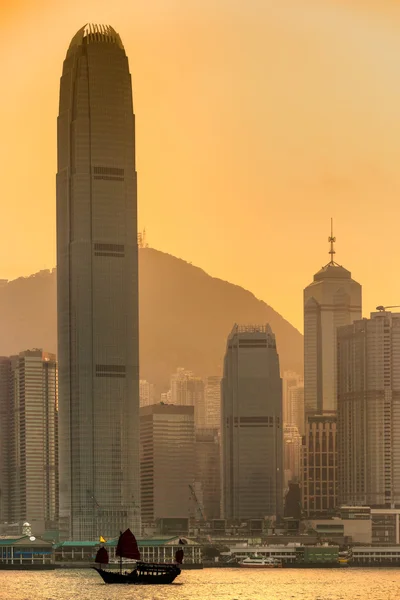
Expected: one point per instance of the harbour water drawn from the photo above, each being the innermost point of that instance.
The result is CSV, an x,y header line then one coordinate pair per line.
x,y
209,584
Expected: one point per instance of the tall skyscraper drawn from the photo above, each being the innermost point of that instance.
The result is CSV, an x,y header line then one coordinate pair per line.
x,y
188,390
369,411
208,471
33,440
6,422
212,392
319,461
97,282
290,380
251,425
296,407
292,445
331,300
167,440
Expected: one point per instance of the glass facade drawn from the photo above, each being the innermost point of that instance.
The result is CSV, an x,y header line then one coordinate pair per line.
x,y
33,458
207,451
97,279
167,461
369,411
251,425
331,300
319,458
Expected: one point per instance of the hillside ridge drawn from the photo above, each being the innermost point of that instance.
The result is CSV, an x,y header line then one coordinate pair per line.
x,y
185,317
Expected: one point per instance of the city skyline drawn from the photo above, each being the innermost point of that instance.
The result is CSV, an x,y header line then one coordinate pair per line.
x,y
312,172
195,441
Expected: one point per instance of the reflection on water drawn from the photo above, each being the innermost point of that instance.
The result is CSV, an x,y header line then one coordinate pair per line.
x,y
209,584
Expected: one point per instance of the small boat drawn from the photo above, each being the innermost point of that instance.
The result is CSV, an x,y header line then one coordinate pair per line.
x,y
260,562
143,572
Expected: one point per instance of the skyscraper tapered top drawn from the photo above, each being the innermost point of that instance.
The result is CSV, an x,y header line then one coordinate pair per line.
x,y
331,300
97,281
94,34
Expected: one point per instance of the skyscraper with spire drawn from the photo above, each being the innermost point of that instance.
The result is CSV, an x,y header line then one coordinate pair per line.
x,y
97,279
333,299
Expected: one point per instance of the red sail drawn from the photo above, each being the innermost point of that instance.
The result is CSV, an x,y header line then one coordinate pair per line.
x,y
102,556
179,556
127,546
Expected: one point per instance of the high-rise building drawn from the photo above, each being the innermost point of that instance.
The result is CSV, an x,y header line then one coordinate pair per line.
x,y
296,404
97,284
369,411
212,392
188,390
251,425
6,422
331,300
292,446
207,472
166,397
290,380
146,393
319,459
167,461
33,440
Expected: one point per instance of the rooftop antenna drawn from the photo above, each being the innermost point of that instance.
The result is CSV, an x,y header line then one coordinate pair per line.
x,y
332,240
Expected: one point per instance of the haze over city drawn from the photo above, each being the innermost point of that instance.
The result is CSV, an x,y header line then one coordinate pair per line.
x,y
256,123
204,388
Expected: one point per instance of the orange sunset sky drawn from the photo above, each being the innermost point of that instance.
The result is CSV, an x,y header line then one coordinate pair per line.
x,y
257,121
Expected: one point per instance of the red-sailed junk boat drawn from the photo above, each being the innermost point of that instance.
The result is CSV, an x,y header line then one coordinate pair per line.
x,y
144,572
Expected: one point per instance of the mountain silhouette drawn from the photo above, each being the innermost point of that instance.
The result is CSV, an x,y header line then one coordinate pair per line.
x,y
185,318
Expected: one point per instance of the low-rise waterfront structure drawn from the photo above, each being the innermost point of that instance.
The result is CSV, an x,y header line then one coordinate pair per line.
x,y
152,550
25,552
375,555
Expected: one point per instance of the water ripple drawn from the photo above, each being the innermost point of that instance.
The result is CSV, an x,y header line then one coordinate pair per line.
x,y
209,584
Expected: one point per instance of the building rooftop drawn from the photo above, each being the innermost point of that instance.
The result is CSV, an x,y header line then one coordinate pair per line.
x,y
93,33
332,271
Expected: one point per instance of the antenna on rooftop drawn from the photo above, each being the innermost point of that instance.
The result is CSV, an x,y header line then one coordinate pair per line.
x,y
332,240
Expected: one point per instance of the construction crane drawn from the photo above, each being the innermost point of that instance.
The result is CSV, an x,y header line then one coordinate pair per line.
x,y
199,506
383,308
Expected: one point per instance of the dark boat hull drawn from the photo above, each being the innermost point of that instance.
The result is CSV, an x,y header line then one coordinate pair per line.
x,y
144,574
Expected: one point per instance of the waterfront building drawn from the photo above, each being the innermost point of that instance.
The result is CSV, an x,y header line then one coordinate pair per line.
x,y
97,286
33,441
353,523
333,299
385,526
207,472
369,411
251,425
26,552
151,550
167,461
319,459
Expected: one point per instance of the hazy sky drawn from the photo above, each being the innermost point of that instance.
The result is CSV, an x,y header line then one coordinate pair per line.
x,y
256,122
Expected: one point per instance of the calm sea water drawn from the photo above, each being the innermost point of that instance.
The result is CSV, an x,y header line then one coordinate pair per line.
x,y
209,584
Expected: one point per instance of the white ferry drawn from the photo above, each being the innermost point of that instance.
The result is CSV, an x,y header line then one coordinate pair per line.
x,y
260,562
